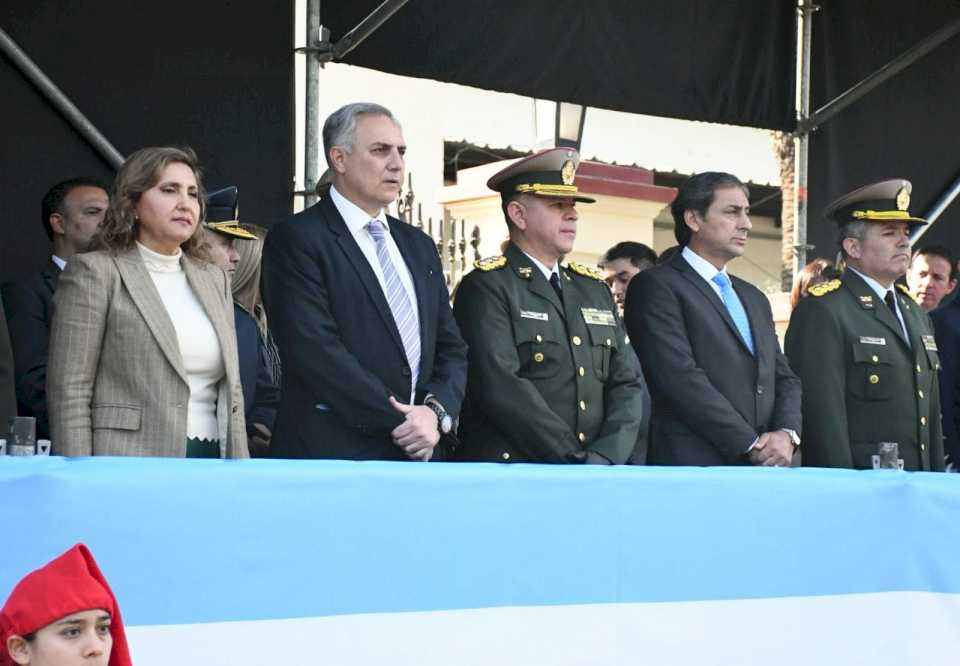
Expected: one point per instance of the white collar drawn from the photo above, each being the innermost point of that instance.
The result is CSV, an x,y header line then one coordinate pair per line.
x,y
61,263
543,269
160,263
704,268
353,215
880,290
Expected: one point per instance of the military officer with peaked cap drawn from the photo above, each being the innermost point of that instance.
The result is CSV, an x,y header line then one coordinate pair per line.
x,y
863,348
549,379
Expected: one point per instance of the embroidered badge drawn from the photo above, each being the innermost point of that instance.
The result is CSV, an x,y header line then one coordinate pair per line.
x,y
866,340
596,317
490,263
929,342
539,316
823,288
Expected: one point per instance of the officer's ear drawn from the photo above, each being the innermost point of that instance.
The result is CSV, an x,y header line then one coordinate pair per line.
x,y
692,219
56,223
338,157
517,214
851,247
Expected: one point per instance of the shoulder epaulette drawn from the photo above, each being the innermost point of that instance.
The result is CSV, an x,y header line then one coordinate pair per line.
x,y
824,288
586,271
490,263
903,288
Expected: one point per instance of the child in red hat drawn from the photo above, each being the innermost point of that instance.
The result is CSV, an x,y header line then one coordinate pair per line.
x,y
63,614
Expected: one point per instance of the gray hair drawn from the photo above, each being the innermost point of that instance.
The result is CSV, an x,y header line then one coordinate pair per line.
x,y
340,127
856,229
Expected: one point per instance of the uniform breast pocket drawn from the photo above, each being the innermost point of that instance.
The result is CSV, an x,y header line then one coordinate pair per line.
x,y
872,377
603,344
538,349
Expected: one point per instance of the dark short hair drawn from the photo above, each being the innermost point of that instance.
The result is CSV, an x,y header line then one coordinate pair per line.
x,y
640,255
52,201
696,193
941,251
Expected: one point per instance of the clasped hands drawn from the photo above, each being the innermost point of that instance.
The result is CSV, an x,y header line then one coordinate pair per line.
x,y
418,434
773,449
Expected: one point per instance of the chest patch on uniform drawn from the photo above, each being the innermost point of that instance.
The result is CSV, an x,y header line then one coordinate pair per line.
x,y
598,317
866,302
867,340
929,342
539,316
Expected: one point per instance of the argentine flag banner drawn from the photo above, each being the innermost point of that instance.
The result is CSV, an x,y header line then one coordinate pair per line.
x,y
265,562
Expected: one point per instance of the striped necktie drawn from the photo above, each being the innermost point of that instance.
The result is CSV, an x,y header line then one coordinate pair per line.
x,y
404,315
735,308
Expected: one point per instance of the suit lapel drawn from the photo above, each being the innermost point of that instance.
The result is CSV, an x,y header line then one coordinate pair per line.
x,y
337,226
147,300
51,275
686,270
536,283
212,305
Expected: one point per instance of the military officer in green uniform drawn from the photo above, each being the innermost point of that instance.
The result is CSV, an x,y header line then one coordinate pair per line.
x,y
549,379
863,348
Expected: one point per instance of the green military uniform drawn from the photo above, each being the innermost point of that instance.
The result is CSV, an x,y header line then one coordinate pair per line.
x,y
863,383
549,379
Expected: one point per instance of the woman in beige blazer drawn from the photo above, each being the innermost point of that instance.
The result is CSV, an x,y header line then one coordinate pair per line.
x,y
143,353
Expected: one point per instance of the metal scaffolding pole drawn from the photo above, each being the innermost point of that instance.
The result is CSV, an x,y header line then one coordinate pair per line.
x,y
805,12
55,96
311,134
936,210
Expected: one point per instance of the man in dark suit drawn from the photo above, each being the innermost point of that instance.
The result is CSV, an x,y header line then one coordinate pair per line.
x,y
946,330
71,211
374,365
722,390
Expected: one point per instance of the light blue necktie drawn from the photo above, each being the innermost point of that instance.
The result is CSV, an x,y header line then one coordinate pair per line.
x,y
399,301
735,308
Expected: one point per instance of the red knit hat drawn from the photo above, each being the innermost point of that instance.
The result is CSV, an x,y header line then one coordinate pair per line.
x,y
69,584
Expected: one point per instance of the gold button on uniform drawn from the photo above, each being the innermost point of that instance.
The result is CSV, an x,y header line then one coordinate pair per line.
x,y
582,437
583,405
581,371
875,358
923,420
538,357
608,342
506,456
920,392
923,447
918,367
874,379
576,340
540,338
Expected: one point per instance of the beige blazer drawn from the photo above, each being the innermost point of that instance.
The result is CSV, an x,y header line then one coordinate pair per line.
x,y
115,379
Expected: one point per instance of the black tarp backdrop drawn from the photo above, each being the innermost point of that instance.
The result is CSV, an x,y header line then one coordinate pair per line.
x,y
726,62
216,76
906,128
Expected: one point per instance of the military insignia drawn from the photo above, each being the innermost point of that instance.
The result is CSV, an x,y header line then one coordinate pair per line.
x,y
524,272
596,317
904,289
929,342
539,316
867,340
903,199
823,288
490,263
567,172
586,271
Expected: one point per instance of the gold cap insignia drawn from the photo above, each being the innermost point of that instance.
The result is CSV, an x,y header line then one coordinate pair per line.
x,y
490,263
824,288
567,172
903,199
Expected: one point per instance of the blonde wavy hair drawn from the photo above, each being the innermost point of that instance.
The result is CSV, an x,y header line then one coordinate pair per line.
x,y
139,173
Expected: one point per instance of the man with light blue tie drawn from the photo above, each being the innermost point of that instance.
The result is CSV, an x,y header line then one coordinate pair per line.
x,y
374,367
722,390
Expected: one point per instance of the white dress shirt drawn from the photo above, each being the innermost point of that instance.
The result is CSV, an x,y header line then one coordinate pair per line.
x,y
704,269
543,269
881,291
61,263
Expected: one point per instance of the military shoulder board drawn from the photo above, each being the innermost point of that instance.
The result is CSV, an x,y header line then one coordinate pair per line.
x,y
490,263
904,289
824,288
586,271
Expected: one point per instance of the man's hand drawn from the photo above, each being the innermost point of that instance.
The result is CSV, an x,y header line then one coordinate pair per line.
x,y
773,449
258,441
418,434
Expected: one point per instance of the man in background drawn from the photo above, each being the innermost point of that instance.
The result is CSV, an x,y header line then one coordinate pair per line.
x,y
71,212
932,276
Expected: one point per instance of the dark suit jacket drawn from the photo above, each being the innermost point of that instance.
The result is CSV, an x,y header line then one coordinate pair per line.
x,y
260,394
711,396
946,328
29,309
340,349
8,400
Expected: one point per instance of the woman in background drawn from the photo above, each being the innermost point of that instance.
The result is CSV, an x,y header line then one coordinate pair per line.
x,y
816,272
143,353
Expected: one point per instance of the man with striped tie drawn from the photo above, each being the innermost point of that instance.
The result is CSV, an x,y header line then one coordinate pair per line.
x,y
722,391
373,363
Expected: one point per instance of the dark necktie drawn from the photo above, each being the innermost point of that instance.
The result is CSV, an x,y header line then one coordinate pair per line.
x,y
555,283
891,303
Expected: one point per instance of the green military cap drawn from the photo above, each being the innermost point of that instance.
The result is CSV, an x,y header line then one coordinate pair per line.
x,y
223,213
886,201
549,173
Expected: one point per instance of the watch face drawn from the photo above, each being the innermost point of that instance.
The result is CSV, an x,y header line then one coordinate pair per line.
x,y
446,424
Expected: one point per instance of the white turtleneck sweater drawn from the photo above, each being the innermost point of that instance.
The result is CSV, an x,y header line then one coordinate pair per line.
x,y
199,346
